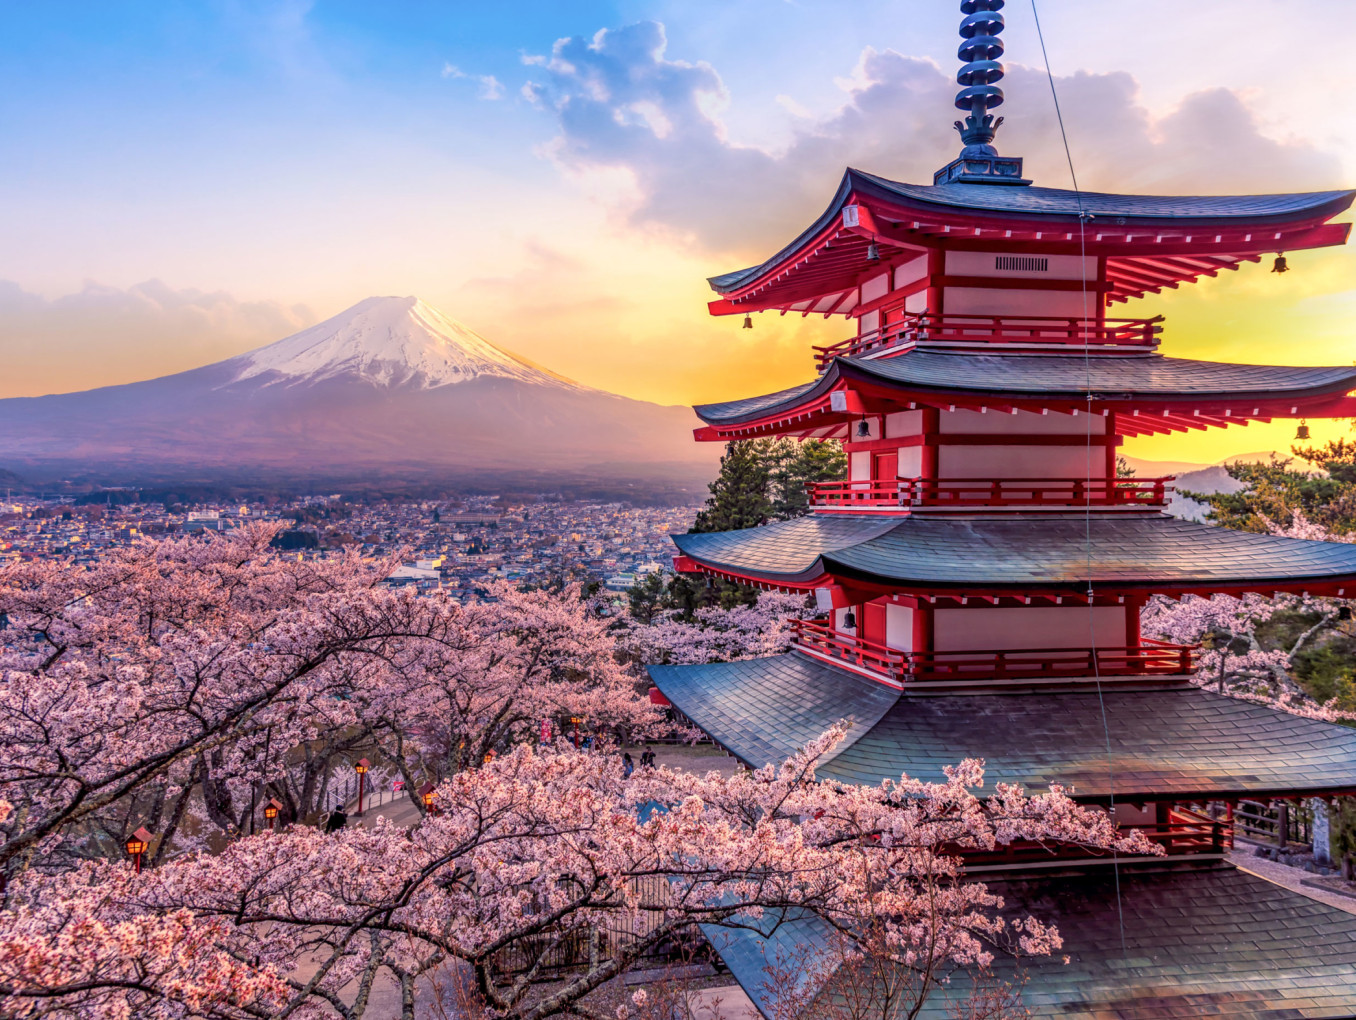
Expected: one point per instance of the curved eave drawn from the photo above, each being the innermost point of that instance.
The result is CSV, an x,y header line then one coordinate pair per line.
x,y
1206,235
1225,394
954,557
1182,743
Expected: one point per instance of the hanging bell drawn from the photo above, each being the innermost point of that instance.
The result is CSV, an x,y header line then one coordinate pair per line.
x,y
1279,265
1303,431
849,620
872,252
863,429
748,322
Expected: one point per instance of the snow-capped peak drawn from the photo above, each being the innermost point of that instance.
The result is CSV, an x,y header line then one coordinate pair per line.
x,y
388,342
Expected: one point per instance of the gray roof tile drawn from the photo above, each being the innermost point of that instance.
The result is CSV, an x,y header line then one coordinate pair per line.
x,y
1152,550
1199,942
1180,743
1052,377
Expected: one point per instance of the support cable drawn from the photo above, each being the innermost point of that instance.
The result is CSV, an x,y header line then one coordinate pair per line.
x,y
1083,217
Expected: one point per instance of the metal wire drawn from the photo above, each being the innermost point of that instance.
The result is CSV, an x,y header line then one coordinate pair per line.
x,y
1083,217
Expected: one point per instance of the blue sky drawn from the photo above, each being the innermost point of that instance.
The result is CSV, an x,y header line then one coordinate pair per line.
x,y
181,181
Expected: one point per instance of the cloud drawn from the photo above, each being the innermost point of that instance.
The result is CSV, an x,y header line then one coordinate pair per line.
x,y
490,86
621,104
102,335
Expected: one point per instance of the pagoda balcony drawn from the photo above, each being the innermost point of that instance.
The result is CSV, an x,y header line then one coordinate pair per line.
x,y
908,493
1186,833
1026,330
1148,659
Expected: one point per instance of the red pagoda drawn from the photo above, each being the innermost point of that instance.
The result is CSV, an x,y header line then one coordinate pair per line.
x,y
982,570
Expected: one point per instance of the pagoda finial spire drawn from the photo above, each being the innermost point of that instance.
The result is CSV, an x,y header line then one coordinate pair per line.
x,y
980,48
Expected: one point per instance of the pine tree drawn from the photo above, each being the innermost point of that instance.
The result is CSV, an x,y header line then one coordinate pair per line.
x,y
740,495
795,466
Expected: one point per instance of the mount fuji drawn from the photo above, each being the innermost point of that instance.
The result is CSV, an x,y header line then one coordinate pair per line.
x,y
388,388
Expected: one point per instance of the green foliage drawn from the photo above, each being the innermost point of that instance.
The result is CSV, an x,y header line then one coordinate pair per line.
x,y
1283,628
1342,834
740,494
1326,670
1326,496
659,592
764,480
1123,468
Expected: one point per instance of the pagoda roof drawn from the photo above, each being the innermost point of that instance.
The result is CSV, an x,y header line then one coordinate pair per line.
x,y
1216,231
988,552
1182,387
1178,743
1143,944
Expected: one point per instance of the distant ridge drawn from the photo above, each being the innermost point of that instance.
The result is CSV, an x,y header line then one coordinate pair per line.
x,y
390,387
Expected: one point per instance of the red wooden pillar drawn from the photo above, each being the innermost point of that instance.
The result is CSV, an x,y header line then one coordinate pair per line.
x,y
936,270
1133,605
928,459
1110,421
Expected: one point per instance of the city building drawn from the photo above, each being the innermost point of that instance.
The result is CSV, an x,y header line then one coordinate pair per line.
x,y
982,570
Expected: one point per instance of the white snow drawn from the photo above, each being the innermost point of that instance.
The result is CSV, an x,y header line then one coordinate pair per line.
x,y
388,342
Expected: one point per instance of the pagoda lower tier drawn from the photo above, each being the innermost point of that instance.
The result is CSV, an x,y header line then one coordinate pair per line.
x,y
1147,943
1026,557
1177,744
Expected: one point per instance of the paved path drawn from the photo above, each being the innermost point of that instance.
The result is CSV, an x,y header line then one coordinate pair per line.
x,y
1290,878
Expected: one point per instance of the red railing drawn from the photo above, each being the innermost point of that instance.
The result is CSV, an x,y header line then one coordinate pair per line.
x,y
924,327
1152,658
814,636
911,492
1186,833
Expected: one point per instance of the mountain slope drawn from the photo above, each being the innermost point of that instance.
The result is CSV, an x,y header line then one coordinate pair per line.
x,y
390,342
388,387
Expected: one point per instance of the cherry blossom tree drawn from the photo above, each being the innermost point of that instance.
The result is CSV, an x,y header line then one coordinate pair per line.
x,y
1232,659
536,849
173,681
715,634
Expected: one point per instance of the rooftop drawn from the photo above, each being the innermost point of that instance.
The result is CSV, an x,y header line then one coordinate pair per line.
x,y
1178,743
1145,237
1148,392
1027,554
1197,942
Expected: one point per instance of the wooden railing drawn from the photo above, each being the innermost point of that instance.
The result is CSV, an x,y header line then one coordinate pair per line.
x,y
924,327
1003,664
814,636
1152,658
958,492
1186,833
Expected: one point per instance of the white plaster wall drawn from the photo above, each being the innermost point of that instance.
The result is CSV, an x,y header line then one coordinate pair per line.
x,y
876,287
993,301
910,462
988,627
903,423
1058,267
916,302
911,272
1045,462
868,323
1128,814
1021,423
859,466
898,627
